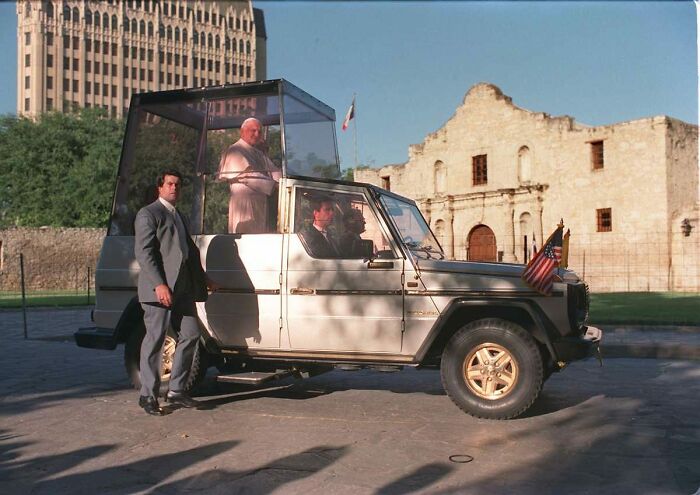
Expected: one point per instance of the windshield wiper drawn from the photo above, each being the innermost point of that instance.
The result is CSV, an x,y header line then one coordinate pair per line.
x,y
427,249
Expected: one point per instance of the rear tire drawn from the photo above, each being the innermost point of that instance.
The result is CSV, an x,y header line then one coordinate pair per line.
x,y
132,361
492,369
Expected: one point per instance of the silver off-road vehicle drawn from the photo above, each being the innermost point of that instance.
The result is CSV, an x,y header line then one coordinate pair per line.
x,y
389,301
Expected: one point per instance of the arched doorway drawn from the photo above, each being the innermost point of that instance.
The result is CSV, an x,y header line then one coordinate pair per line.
x,y
482,244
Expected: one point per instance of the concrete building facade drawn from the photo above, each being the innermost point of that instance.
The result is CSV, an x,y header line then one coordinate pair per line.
x,y
85,53
496,179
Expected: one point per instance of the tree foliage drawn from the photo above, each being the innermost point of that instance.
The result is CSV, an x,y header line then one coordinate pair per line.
x,y
59,169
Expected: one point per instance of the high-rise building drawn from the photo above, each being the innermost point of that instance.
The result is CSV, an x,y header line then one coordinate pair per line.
x,y
86,53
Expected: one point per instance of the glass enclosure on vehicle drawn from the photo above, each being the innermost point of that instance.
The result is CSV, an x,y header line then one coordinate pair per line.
x,y
229,179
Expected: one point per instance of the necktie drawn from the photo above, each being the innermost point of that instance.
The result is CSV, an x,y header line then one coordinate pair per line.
x,y
324,233
181,234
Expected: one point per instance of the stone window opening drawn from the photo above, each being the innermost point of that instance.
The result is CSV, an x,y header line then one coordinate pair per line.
x,y
440,177
597,155
440,231
604,219
479,170
386,182
524,165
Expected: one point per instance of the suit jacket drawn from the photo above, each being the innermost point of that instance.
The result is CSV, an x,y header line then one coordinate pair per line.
x,y
316,244
158,253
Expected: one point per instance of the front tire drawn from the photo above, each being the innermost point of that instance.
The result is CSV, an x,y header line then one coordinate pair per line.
x,y
492,369
132,361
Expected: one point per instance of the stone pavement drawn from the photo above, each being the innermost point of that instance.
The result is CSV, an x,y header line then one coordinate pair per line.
x,y
71,424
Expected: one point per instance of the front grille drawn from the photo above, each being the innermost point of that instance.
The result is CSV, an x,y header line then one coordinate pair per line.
x,y
579,302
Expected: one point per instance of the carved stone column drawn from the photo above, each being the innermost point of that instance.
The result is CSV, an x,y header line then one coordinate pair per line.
x,y
427,211
450,228
509,218
539,208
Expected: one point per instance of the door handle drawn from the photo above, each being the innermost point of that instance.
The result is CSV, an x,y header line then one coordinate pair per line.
x,y
301,291
380,264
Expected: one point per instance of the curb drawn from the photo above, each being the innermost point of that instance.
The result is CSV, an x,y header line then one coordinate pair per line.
x,y
653,351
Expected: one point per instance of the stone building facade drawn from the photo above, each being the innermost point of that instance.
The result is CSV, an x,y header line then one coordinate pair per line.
x,y
496,179
86,53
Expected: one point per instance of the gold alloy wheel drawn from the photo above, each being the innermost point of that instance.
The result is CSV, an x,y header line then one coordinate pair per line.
x,y
490,371
168,356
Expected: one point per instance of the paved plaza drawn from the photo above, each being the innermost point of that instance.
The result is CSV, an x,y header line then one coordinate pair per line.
x,y
71,424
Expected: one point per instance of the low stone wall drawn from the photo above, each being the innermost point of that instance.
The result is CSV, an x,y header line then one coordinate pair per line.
x,y
54,258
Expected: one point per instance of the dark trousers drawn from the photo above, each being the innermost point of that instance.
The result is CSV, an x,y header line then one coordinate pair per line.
x,y
182,317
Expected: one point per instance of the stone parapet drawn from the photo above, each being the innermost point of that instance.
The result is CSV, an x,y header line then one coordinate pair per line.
x,y
54,258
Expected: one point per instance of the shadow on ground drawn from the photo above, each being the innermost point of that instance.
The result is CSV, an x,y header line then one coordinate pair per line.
x,y
63,473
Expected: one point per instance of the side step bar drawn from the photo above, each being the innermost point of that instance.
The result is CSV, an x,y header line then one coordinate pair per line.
x,y
254,377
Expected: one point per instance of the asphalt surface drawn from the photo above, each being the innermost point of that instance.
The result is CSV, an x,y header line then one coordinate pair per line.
x,y
71,424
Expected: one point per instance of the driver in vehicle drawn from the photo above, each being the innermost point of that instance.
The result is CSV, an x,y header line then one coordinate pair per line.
x,y
318,240
252,179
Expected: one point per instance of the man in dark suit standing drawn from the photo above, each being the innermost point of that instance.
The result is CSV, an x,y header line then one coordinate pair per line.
x,y
318,240
170,281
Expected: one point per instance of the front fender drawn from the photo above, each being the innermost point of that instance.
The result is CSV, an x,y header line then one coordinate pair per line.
x,y
450,321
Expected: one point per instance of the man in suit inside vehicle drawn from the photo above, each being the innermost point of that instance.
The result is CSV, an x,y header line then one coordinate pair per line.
x,y
170,281
318,240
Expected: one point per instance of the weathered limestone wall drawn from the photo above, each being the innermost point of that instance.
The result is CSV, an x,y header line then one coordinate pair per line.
x,y
540,170
54,258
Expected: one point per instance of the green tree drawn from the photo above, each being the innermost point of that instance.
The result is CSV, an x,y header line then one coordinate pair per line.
x,y
58,170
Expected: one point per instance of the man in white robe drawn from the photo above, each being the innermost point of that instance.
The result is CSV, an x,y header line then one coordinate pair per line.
x,y
252,179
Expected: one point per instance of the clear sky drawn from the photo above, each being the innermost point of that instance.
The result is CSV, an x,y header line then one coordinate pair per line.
x,y
411,63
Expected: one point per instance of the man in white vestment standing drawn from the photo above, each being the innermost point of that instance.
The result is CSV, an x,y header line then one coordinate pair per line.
x,y
252,179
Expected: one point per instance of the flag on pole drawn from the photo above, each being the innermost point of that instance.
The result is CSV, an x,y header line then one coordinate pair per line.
x,y
539,273
350,115
534,244
564,263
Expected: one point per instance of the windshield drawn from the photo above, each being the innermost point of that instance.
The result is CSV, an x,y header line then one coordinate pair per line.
x,y
414,231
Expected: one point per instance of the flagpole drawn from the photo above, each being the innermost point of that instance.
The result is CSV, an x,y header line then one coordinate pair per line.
x,y
354,125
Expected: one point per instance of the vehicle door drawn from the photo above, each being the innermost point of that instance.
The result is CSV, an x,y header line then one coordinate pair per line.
x,y
337,298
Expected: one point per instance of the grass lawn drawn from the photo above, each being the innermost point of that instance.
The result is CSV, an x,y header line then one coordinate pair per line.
x,y
45,299
648,308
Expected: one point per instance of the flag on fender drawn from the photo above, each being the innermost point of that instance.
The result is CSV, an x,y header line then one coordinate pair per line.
x,y
564,263
350,115
539,273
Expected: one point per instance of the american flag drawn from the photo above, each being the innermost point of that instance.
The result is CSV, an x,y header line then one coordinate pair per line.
x,y
539,273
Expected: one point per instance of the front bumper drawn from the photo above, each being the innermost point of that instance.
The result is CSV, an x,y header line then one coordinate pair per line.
x,y
96,338
574,348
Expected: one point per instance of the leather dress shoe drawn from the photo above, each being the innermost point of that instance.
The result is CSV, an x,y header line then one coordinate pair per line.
x,y
181,399
150,405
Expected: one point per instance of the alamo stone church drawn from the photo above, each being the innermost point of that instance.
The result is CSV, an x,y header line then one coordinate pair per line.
x,y
496,179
